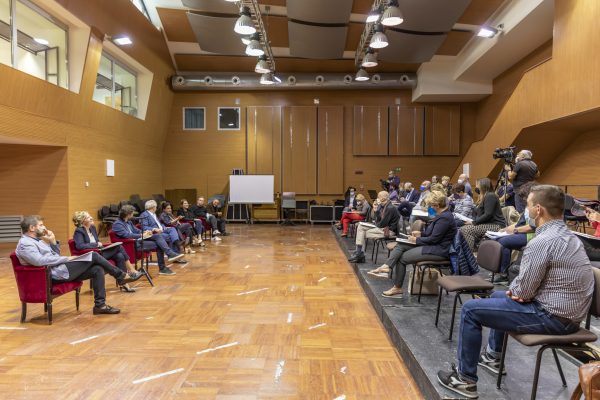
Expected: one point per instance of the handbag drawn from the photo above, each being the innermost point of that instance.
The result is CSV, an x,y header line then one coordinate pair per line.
x,y
430,285
589,382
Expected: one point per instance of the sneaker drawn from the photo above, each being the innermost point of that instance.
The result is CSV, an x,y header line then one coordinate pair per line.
x,y
216,232
490,363
451,380
166,271
175,258
501,279
218,239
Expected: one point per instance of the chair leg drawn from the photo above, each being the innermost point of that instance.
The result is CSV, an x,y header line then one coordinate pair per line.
x,y
456,297
536,375
412,281
23,311
560,371
502,357
421,284
77,299
49,313
45,307
437,313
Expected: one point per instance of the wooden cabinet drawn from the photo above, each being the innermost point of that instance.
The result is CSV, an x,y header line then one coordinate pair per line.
x,y
442,130
406,130
299,161
370,134
263,138
330,150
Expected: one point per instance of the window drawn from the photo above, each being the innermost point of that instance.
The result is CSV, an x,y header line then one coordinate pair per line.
x,y
116,85
229,118
41,46
194,118
142,7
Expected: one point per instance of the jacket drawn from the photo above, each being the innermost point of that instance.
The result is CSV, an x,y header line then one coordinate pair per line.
x,y
82,240
199,212
347,201
31,251
413,196
388,218
438,235
489,211
148,222
461,257
126,230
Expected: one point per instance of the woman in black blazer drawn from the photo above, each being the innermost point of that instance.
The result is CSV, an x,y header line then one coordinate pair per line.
x,y
433,244
86,237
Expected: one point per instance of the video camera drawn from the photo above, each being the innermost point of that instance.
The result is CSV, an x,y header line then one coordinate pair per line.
x,y
507,154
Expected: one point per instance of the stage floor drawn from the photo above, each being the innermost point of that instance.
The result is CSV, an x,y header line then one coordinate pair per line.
x,y
268,313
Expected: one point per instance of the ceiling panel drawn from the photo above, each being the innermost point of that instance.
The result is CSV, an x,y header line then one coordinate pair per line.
x,y
216,35
280,3
355,31
362,6
409,48
319,11
454,43
176,25
479,11
212,6
277,30
418,15
309,41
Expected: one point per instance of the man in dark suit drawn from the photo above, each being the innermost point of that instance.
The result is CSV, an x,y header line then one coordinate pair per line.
x,y
412,196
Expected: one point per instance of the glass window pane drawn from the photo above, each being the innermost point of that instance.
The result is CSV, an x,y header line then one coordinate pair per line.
x,y
5,32
103,89
41,46
229,118
125,90
193,118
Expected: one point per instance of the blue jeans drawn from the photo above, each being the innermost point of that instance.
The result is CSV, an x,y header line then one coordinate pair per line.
x,y
509,243
520,203
500,313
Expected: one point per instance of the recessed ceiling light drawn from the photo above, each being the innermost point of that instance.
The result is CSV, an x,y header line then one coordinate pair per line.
x,y
122,41
487,32
42,41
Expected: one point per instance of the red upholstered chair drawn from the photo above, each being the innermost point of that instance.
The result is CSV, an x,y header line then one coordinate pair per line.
x,y
207,227
129,246
35,286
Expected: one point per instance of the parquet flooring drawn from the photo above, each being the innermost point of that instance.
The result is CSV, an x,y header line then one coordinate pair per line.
x,y
268,313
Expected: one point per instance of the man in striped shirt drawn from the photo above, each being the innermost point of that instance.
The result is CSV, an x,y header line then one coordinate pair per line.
x,y
551,295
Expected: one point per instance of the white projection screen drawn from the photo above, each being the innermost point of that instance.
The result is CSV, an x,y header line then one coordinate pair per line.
x,y
251,189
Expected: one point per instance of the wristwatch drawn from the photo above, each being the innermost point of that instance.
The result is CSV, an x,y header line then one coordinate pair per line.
x,y
515,231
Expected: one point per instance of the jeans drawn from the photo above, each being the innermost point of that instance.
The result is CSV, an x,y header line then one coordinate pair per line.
x,y
509,243
501,314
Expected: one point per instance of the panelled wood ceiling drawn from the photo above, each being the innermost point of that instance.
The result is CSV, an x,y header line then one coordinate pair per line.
x,y
335,53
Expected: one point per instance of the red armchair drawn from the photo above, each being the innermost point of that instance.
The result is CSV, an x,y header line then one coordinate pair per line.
x,y
129,246
35,286
207,227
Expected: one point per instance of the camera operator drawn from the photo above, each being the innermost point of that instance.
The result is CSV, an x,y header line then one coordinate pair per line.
x,y
393,179
524,170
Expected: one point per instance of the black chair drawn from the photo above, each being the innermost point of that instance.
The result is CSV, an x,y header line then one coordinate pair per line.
x,y
579,222
159,198
573,342
489,256
107,218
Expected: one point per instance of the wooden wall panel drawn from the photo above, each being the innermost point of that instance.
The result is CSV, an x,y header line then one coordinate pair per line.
x,y
406,130
264,142
330,175
370,131
442,130
299,149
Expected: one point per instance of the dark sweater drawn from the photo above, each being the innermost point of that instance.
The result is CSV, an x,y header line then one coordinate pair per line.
x,y
438,236
388,217
489,211
198,211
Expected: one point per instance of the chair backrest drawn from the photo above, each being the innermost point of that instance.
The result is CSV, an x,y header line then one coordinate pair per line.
x,y
511,215
114,209
123,203
418,225
72,248
104,211
595,307
31,281
489,255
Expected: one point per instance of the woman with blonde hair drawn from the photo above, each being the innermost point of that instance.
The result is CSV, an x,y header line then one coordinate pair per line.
x,y
86,238
362,210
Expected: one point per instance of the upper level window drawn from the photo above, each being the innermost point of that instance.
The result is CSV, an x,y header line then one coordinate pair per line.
x,y
142,7
33,41
116,85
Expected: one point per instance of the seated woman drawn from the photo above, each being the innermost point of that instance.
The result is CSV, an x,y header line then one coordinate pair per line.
x,y
394,197
187,214
86,237
184,230
463,204
350,199
433,244
362,210
592,251
488,215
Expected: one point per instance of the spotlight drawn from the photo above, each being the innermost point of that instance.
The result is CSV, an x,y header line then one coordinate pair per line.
x,y
378,40
244,24
262,66
254,48
370,59
361,75
267,79
42,41
374,15
246,40
488,31
122,41
392,15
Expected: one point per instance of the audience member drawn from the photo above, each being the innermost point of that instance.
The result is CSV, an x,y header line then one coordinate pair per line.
x,y
434,180
362,211
394,198
420,204
85,237
488,215
393,178
350,199
525,170
386,220
38,247
447,185
215,208
184,229
550,296
591,248
187,214
464,179
200,212
463,204
433,244
124,229
411,197
506,198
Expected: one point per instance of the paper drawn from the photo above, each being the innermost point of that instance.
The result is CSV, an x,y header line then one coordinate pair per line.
x,y
110,246
369,225
83,257
462,217
585,235
495,235
419,213
405,241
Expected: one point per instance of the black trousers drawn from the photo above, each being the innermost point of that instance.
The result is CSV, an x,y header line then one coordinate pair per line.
x,y
118,255
94,270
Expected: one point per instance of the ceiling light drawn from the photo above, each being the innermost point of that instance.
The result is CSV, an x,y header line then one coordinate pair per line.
x,y
374,15
254,48
267,79
122,41
370,59
42,41
361,75
488,32
392,15
244,24
378,40
262,66
246,40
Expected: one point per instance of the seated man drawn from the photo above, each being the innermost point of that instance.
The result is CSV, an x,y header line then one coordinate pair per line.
x,y
38,247
200,211
386,217
216,210
150,222
420,203
551,295
124,228
411,196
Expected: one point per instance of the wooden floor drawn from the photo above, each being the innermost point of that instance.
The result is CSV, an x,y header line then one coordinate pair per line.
x,y
268,313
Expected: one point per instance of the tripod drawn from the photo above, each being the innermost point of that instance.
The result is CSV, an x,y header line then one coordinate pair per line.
x,y
502,177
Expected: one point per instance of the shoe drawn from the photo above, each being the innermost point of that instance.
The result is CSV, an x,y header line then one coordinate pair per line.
x,y
344,235
131,278
501,279
451,380
379,274
490,363
127,289
166,271
393,293
224,233
216,238
175,258
189,250
216,232
181,261
358,258
106,309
